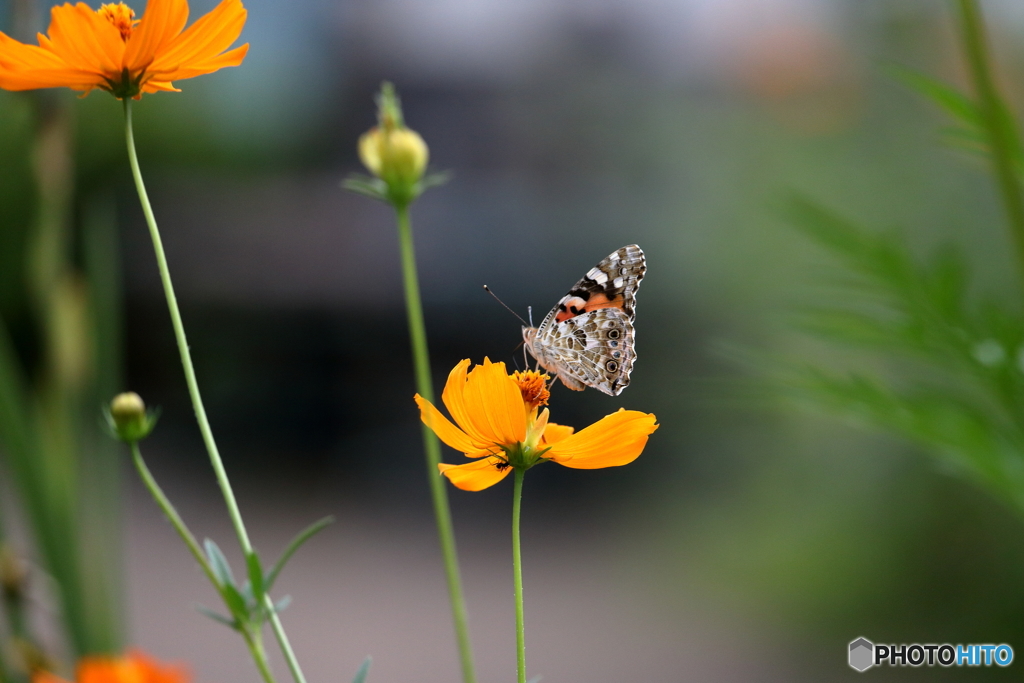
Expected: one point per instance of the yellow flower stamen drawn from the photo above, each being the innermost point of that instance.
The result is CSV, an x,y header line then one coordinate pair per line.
x,y
534,387
121,16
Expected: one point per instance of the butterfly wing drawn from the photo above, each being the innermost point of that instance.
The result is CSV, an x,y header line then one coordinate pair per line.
x,y
612,283
593,349
587,338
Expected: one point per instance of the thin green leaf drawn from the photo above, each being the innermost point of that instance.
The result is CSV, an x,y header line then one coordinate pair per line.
x,y
433,180
369,187
282,604
949,281
220,618
363,670
956,103
301,538
1012,131
967,436
255,577
964,109
236,604
219,563
852,327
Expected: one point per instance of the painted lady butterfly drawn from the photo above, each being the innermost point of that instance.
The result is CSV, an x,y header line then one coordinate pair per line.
x,y
587,338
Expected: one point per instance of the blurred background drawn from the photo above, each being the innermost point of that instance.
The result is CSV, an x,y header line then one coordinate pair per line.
x,y
750,542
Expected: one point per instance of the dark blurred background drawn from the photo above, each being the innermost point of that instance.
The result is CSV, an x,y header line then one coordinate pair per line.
x,y
750,542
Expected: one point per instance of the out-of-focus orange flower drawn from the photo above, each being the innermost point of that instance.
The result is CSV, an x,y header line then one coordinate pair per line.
x,y
135,667
111,50
499,424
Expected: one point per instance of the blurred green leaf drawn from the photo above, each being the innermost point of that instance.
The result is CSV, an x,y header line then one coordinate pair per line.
x,y
255,577
954,102
433,180
363,670
947,373
972,134
374,188
282,604
296,543
235,602
220,618
219,563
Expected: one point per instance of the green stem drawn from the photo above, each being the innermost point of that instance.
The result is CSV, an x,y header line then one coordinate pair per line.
x,y
282,640
517,576
172,514
997,121
431,446
259,654
255,645
190,378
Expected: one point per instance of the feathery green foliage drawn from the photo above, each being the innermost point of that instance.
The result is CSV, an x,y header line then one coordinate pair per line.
x,y
944,369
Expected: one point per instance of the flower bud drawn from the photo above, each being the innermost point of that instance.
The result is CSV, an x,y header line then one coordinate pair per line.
x,y
396,156
392,152
128,418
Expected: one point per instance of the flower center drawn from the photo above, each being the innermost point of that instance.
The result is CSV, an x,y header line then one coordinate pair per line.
x,y
121,16
534,388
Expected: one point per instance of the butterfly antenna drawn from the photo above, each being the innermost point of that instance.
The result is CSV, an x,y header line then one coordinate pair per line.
x,y
529,314
488,290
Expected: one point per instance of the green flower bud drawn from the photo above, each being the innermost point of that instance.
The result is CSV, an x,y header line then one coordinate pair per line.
x,y
392,152
128,418
398,156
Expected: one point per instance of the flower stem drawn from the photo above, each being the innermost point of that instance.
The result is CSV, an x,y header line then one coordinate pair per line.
x,y
517,576
193,386
259,655
996,120
431,446
171,513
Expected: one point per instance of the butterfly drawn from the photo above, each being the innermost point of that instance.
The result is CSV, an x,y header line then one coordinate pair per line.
x,y
587,338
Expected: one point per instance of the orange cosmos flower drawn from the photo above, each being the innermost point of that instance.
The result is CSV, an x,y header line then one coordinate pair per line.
x,y
111,50
135,667
499,423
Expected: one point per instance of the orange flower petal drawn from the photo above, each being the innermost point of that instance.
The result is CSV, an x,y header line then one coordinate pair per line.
x,y
554,433
476,475
204,40
229,58
493,399
454,398
161,23
84,39
617,439
159,86
446,431
136,667
25,67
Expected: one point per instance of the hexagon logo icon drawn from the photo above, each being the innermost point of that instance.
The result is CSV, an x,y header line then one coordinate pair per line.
x,y
862,654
